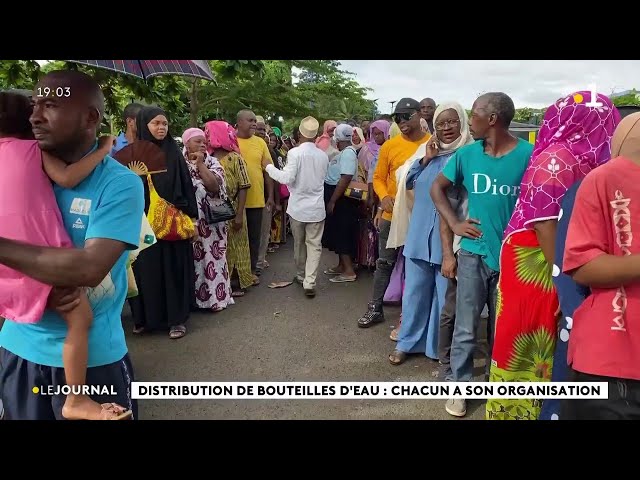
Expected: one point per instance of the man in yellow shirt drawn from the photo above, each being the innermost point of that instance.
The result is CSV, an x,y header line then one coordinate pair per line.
x,y
254,150
393,154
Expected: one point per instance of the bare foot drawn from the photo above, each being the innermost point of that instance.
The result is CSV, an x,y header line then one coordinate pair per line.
x,y
81,407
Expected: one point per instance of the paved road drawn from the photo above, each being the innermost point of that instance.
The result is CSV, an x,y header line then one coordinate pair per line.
x,y
280,335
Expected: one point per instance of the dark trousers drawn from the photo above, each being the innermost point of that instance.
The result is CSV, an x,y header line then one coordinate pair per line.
x,y
18,377
254,230
447,324
387,258
623,402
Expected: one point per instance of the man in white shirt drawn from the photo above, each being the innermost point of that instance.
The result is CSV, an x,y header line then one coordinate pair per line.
x,y
304,175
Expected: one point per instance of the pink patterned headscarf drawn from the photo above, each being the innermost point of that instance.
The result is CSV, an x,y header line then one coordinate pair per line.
x,y
573,140
221,135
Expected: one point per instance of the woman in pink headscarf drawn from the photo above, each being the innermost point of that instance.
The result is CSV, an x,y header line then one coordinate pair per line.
x,y
213,288
324,141
574,139
222,143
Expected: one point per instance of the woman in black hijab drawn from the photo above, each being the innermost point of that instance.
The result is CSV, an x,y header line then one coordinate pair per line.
x,y
164,272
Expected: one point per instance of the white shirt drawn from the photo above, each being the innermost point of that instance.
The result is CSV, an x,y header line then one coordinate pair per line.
x,y
304,175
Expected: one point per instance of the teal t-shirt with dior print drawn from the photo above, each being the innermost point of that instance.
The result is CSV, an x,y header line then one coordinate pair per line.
x,y
493,186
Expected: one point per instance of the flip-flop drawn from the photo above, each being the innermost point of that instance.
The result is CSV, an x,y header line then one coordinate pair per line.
x,y
331,271
397,357
394,335
343,279
112,407
177,332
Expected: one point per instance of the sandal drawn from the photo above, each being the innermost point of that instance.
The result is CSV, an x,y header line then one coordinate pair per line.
x,y
238,293
178,331
138,330
343,279
394,335
256,281
332,271
108,409
397,357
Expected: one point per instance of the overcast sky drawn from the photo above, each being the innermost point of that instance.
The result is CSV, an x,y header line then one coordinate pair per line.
x,y
530,83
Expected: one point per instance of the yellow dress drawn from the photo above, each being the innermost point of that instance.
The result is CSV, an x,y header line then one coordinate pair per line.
x,y
238,258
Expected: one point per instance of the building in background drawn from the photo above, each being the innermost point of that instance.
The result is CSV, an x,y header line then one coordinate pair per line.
x,y
526,131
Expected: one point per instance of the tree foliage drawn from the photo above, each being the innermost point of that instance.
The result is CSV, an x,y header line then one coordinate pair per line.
x,y
630,99
532,116
282,91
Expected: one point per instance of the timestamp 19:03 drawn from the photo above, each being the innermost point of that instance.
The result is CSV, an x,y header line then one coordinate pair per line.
x,y
54,92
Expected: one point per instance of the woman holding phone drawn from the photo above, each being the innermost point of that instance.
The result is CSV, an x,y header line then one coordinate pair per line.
x,y
428,264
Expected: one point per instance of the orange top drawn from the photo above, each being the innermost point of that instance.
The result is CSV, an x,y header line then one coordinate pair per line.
x,y
393,154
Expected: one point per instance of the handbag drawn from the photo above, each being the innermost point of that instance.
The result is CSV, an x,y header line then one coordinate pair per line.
x,y
167,221
220,212
284,192
358,190
393,294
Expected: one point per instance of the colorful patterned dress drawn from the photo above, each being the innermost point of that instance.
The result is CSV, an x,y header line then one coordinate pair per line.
x,y
238,258
574,139
213,287
279,224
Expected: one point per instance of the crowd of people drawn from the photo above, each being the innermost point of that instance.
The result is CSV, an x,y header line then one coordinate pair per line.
x,y
453,213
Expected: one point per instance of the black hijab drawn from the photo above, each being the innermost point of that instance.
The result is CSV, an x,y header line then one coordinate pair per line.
x,y
175,184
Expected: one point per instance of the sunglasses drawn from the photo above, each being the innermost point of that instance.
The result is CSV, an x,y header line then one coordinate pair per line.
x,y
403,117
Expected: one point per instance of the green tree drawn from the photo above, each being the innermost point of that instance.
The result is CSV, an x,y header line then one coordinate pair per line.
x,y
291,89
632,98
529,115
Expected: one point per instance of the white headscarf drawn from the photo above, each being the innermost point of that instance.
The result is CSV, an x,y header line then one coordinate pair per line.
x,y
358,130
461,207
465,135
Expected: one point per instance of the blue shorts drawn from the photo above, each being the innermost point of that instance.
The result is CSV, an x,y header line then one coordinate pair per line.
x,y
18,377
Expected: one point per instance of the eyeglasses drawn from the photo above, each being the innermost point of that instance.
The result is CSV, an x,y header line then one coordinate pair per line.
x,y
403,117
447,123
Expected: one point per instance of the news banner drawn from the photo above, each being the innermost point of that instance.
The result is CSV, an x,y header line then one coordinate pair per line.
x,y
366,390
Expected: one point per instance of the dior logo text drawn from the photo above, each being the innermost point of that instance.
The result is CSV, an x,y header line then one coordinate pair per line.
x,y
483,184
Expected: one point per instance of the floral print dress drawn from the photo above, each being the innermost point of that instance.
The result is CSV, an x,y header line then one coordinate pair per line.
x,y
213,286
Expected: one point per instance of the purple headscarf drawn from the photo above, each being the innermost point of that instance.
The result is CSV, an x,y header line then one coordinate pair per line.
x,y
384,127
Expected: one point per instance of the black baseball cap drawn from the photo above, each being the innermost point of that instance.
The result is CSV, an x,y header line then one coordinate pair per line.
x,y
407,105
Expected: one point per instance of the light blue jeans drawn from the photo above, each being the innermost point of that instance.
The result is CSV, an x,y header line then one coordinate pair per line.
x,y
477,286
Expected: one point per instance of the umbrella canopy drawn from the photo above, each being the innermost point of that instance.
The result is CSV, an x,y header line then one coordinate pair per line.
x,y
150,68
21,91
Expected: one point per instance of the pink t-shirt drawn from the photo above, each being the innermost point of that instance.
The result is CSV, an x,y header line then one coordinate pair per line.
x,y
605,337
28,213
